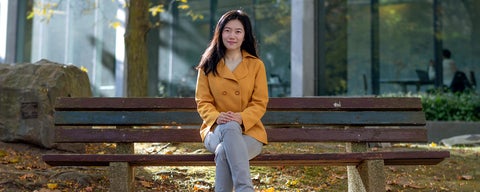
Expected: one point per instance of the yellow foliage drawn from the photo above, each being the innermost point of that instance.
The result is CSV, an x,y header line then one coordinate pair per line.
x,y
155,10
432,144
30,15
84,69
183,6
115,24
291,183
271,189
195,16
52,186
45,10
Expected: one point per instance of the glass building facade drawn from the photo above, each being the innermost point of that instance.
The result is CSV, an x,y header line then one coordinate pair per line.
x,y
309,47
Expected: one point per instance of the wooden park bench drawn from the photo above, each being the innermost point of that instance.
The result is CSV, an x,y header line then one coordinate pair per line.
x,y
357,121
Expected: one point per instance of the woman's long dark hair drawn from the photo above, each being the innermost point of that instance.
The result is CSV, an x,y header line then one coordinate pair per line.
x,y
216,49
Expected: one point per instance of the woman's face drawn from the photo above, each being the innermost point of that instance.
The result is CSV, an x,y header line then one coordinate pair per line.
x,y
233,35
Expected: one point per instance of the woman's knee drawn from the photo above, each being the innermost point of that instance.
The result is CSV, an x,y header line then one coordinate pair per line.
x,y
220,154
230,126
233,126
211,141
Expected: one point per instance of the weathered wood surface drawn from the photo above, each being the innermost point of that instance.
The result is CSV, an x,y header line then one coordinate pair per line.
x,y
284,104
355,120
357,111
332,159
87,135
305,118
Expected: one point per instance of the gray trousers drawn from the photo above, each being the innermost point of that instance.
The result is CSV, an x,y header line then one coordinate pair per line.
x,y
232,151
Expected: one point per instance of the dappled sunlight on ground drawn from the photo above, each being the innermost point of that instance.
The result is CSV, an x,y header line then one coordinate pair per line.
x,y
21,169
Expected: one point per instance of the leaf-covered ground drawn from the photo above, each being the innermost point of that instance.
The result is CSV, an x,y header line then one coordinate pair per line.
x,y
21,169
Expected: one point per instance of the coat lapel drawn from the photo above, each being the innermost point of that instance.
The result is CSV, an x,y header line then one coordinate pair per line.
x,y
239,73
224,72
242,70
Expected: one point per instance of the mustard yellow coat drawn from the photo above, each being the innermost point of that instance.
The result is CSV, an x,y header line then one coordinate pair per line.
x,y
244,90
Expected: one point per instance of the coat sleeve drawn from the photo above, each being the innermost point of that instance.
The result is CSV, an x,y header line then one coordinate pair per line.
x,y
205,101
257,105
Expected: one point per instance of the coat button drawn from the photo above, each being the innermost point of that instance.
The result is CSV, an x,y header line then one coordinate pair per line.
x,y
237,92
224,93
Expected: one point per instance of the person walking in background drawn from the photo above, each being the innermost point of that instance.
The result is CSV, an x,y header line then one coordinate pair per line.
x,y
453,79
449,67
232,96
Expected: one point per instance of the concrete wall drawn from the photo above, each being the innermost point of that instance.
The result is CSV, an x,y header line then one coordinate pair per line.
x,y
438,130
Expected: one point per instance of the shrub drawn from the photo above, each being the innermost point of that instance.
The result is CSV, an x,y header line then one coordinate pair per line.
x,y
448,106
452,106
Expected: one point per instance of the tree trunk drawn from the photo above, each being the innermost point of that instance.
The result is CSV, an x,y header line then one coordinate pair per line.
x,y
136,49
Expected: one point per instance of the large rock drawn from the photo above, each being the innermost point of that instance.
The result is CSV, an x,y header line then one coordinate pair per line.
x,y
27,98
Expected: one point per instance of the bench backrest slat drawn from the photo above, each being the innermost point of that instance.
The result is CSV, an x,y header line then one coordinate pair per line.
x,y
87,135
306,118
355,119
301,103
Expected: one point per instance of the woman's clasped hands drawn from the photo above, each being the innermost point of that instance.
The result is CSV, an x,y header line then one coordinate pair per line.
x,y
226,117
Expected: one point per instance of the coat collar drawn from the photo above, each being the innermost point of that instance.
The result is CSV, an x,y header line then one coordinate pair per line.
x,y
240,72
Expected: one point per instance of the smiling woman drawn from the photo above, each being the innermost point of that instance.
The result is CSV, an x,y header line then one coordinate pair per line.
x,y
232,96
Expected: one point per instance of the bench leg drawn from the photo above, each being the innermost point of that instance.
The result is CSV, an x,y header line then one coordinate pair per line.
x,y
369,176
121,177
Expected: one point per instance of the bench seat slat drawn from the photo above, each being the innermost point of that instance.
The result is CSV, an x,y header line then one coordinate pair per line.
x,y
86,135
270,118
338,159
326,103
